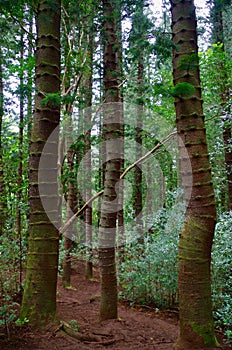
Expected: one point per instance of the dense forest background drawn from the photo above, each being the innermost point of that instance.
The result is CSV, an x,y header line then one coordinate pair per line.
x,y
98,110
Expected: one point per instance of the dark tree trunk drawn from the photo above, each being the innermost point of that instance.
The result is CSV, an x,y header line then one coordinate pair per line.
x,y
88,167
2,182
70,204
138,191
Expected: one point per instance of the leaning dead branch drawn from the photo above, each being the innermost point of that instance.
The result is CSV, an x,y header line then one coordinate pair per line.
x,y
140,160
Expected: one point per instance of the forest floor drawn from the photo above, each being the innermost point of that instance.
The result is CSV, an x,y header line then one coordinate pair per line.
x,y
138,328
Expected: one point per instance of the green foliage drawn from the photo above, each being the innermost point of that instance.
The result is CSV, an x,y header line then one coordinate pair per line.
x,y
74,325
20,323
183,90
221,272
8,313
10,289
188,62
51,100
148,275
216,73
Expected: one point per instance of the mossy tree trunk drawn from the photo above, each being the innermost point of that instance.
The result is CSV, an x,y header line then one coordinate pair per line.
x,y
39,298
195,305
112,131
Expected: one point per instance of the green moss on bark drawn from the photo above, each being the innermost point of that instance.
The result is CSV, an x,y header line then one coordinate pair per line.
x,y
207,334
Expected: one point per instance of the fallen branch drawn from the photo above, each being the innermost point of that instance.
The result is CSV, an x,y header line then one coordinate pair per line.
x,y
79,212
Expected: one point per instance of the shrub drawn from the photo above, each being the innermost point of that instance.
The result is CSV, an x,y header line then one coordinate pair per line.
x,y
148,274
221,272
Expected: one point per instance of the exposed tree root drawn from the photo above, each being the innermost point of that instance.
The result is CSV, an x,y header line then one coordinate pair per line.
x,y
85,338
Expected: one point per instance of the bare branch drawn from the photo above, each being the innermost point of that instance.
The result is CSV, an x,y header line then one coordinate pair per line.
x,y
160,144
80,211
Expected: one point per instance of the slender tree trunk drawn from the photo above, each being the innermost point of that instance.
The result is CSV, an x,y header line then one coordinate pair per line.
x,y
219,37
20,153
119,69
111,129
88,211
30,79
2,182
88,167
195,243
138,193
66,277
39,298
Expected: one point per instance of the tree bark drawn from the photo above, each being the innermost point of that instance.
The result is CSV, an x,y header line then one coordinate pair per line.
x,y
109,208
66,276
20,154
88,167
39,298
195,242
2,182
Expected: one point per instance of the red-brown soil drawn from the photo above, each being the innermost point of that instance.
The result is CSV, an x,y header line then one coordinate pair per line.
x,y
137,328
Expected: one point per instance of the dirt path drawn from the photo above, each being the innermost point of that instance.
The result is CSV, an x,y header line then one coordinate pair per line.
x,y
136,329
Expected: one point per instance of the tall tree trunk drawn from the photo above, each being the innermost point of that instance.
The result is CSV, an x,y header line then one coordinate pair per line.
x,y
20,153
219,37
2,182
138,193
195,242
109,208
66,277
30,78
88,166
119,69
39,298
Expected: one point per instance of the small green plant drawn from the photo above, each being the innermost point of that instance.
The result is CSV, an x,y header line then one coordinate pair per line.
x,y
20,323
182,90
228,334
74,325
8,313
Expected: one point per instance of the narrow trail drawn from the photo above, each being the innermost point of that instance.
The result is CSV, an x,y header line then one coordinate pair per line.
x,y
137,328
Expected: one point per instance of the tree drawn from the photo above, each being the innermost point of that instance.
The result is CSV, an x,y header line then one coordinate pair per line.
x,y
139,28
111,131
195,241
39,298
219,37
88,165
2,182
